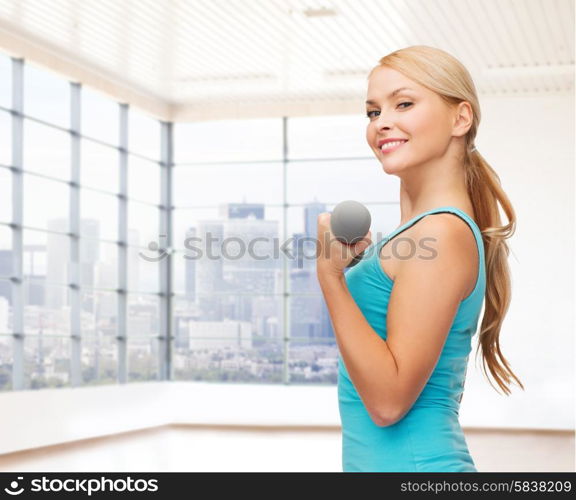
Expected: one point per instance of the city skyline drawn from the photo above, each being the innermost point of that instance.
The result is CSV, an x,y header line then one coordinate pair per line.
x,y
204,321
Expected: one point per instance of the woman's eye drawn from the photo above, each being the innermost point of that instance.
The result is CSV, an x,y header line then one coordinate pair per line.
x,y
369,113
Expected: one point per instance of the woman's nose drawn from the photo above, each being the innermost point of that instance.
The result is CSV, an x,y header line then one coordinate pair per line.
x,y
383,121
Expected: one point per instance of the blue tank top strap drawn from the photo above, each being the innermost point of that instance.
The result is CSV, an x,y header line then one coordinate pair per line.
x,y
445,209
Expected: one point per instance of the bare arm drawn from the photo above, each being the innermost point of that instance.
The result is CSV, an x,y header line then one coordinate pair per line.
x,y
368,359
390,374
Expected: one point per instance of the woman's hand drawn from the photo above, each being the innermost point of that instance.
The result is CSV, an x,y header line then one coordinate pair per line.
x,y
332,255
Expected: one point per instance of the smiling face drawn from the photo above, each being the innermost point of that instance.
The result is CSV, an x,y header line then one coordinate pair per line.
x,y
415,114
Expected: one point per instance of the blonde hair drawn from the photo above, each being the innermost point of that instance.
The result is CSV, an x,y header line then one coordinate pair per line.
x,y
442,73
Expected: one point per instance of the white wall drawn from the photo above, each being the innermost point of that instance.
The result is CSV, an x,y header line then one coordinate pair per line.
x,y
31,419
49,416
530,144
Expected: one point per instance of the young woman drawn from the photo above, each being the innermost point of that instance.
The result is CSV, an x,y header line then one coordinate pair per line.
x,y
404,317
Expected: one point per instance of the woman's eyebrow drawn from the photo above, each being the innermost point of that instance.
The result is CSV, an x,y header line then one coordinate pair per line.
x,y
392,94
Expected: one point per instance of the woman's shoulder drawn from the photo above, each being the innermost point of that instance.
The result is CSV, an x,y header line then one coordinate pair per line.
x,y
450,241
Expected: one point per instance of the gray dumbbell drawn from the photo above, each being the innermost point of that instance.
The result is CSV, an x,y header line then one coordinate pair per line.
x,y
350,222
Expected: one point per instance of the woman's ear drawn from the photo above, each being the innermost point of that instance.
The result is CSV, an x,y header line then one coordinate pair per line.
x,y
462,119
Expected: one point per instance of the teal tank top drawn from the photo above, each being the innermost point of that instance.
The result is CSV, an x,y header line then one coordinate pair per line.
x,y
429,437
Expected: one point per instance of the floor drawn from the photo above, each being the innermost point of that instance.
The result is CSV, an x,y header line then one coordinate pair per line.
x,y
192,448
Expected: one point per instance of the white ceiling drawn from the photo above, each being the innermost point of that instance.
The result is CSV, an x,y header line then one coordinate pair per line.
x,y
208,59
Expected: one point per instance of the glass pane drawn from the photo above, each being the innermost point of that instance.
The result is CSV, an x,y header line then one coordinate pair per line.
x,y
184,270
46,203
313,363
99,313
184,311
99,330
143,272
231,255
99,214
5,195
5,307
5,251
143,315
233,359
99,166
46,309
6,360
143,180
46,362
228,140
187,224
309,318
144,135
46,257
46,96
139,258
143,359
5,138
227,184
143,224
99,264
335,181
46,150
337,136
191,227
262,313
99,359
5,81
100,116
5,238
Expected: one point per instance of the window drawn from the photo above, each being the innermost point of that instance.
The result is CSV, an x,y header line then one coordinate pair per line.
x,y
46,96
62,271
214,185
5,195
5,81
328,137
99,167
143,224
5,138
228,140
143,180
46,203
102,210
242,214
46,150
100,117
144,135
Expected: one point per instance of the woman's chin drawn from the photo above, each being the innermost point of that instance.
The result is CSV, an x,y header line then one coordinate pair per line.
x,y
389,167
389,163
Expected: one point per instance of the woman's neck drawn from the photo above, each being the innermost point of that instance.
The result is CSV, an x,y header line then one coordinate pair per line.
x,y
420,195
